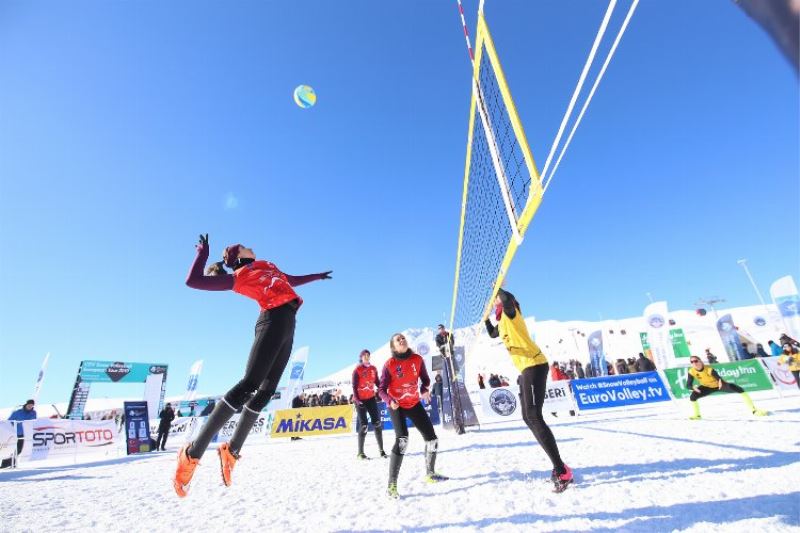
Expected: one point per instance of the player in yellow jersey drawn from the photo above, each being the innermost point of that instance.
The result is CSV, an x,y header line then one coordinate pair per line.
x,y
532,364
709,382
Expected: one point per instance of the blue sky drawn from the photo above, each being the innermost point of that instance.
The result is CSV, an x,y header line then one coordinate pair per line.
x,y
128,128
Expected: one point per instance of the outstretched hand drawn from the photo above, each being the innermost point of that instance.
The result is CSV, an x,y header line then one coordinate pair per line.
x,y
203,244
326,275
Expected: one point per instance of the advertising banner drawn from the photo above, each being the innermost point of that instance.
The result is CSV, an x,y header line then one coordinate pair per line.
x,y
730,338
431,408
194,376
784,379
154,375
137,430
784,294
618,391
40,378
49,437
748,374
259,427
8,439
504,404
655,316
680,348
597,356
310,421
297,371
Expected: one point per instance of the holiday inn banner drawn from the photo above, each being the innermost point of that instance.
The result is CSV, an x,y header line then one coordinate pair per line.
x,y
748,374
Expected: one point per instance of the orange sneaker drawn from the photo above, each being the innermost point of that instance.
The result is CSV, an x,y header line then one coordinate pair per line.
x,y
226,463
184,472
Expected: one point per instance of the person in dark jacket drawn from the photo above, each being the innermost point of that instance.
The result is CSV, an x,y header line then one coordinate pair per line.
x,y
445,341
710,357
166,417
643,364
26,412
579,370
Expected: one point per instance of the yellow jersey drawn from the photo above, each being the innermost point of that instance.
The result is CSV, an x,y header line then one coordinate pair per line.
x,y
792,360
705,377
523,351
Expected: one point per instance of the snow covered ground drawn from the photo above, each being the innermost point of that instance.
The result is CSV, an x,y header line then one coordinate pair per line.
x,y
645,469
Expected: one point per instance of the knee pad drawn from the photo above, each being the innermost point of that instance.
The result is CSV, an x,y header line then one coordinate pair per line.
x,y
402,444
259,400
363,429
241,393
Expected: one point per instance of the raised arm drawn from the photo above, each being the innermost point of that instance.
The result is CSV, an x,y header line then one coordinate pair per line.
x,y
197,280
493,331
294,281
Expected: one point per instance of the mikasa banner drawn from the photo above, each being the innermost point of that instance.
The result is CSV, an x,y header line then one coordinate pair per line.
x,y
503,403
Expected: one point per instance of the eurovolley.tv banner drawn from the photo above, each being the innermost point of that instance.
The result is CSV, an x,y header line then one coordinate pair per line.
x,y
619,391
748,374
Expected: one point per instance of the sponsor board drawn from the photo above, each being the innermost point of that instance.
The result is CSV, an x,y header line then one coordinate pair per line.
x,y
8,439
137,432
46,437
748,374
619,391
309,421
503,403
783,378
431,408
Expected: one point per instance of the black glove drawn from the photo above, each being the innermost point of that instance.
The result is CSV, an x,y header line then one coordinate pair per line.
x,y
326,275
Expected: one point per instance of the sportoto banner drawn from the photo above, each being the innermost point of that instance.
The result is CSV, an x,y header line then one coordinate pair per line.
x,y
784,379
619,391
748,374
47,437
309,421
503,403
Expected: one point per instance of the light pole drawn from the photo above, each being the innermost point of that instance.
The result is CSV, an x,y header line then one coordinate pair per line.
x,y
773,319
743,262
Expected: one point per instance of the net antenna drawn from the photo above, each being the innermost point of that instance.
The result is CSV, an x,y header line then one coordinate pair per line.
x,y
502,185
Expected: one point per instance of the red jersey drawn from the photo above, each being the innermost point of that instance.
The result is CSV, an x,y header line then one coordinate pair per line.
x,y
365,377
400,380
264,283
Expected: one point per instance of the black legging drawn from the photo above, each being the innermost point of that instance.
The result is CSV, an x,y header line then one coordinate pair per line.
x,y
269,356
368,406
532,388
420,420
161,439
705,391
796,374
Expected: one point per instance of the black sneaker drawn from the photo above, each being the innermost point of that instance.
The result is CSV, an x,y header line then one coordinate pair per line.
x,y
383,455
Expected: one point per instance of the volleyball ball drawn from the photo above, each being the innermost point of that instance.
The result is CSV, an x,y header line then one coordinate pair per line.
x,y
304,96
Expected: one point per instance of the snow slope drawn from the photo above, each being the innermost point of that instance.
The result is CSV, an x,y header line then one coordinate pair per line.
x,y
645,469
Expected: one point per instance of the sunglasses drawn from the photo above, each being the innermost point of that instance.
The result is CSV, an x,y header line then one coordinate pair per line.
x,y
694,360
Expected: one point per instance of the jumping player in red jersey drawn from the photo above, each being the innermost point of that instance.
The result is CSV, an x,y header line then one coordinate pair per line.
x,y
399,388
274,333
365,379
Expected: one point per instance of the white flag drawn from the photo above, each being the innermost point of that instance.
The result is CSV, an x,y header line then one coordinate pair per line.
x,y
39,379
191,385
784,294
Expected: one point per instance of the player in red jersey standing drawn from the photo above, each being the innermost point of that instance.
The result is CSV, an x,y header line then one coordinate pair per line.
x,y
365,379
399,388
273,290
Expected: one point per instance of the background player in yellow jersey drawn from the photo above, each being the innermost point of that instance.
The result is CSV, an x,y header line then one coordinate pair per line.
x,y
709,382
532,364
